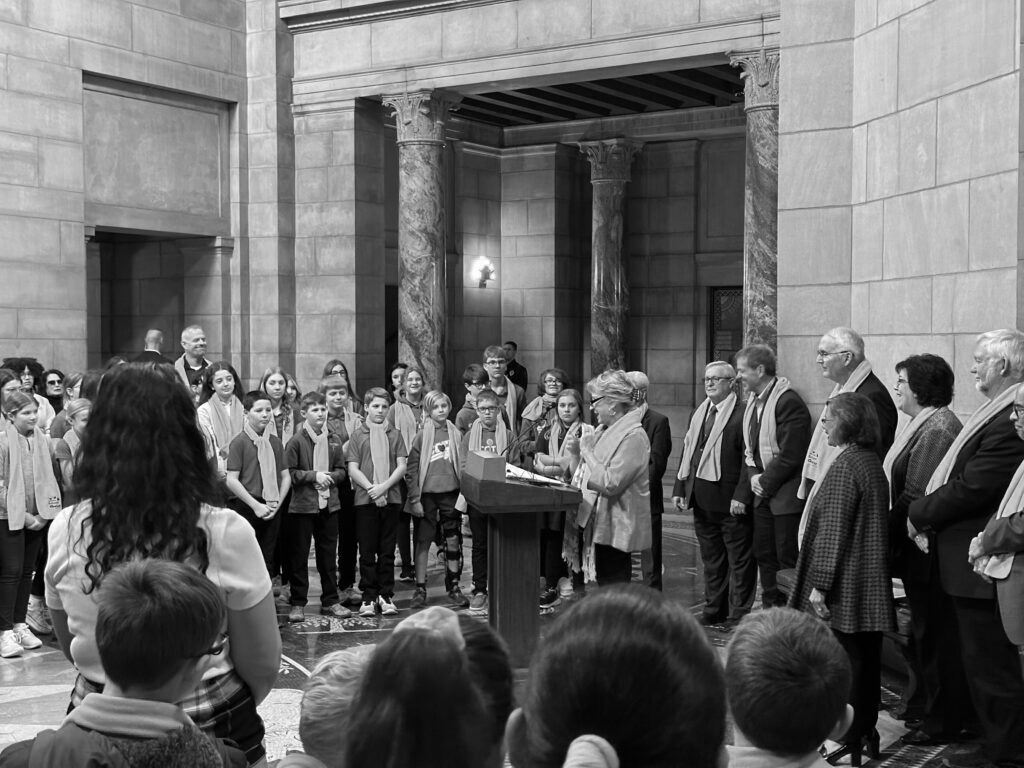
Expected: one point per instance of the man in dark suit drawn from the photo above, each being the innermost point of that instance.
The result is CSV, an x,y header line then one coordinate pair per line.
x,y
151,354
709,471
962,495
776,431
659,432
514,370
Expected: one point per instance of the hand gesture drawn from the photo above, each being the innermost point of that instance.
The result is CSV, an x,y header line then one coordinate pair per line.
x,y
737,508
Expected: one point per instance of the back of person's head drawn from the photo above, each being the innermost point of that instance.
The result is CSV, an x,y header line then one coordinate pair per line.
x,y
408,672
327,703
491,669
630,669
145,470
91,381
310,399
155,618
474,374
788,681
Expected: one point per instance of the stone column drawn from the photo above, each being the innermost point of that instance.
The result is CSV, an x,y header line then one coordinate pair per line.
x,y
610,163
761,195
420,119
209,296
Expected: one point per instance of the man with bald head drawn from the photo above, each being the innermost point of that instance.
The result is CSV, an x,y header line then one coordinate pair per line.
x,y
707,482
193,362
841,359
151,353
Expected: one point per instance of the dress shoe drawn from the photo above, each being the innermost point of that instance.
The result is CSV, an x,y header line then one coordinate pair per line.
x,y
922,738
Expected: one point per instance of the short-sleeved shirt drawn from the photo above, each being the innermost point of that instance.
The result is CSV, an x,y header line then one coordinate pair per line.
x,y
358,451
243,458
236,567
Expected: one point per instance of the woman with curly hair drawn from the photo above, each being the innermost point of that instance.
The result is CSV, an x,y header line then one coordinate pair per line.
x,y
148,492
30,371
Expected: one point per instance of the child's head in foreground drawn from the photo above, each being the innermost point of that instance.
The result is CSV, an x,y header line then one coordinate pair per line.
x,y
327,703
788,681
624,677
158,623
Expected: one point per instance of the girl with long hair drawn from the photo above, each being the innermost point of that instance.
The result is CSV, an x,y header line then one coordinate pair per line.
x,y
275,383
220,412
29,497
148,492
337,368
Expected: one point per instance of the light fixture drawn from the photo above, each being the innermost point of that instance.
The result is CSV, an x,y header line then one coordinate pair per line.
x,y
482,270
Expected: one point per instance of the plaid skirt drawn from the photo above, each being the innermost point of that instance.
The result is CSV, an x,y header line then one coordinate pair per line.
x,y
221,707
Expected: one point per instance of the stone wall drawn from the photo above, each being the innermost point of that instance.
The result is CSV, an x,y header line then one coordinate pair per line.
x,y
898,192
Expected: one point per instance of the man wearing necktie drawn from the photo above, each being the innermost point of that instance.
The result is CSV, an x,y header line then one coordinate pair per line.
x,y
709,472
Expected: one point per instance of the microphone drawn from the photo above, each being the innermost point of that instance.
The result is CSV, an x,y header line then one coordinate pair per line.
x,y
516,440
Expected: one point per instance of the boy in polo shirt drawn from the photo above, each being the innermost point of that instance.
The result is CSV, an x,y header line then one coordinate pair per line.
x,y
158,624
257,476
376,457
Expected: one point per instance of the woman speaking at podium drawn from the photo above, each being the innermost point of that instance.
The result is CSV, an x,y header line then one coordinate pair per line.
x,y
615,514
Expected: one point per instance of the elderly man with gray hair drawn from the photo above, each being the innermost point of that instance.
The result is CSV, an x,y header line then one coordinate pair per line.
x,y
841,359
709,474
963,493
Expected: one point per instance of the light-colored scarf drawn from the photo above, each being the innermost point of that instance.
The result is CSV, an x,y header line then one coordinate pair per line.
x,y
979,419
227,422
500,436
999,566
511,395
903,440
267,462
74,443
321,461
287,424
405,421
380,451
805,515
819,453
608,440
537,408
427,444
556,443
767,434
46,490
710,465
353,420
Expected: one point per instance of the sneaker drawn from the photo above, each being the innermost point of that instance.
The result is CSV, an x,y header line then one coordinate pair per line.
x,y
351,597
38,617
419,598
276,585
337,610
549,598
25,638
407,575
296,614
368,609
565,590
9,645
456,597
478,603
387,607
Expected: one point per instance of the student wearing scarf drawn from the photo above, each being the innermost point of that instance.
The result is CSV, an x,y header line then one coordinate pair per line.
x,y
220,412
511,397
963,493
29,497
257,476
540,413
924,390
709,473
338,368
554,460
274,383
406,415
615,513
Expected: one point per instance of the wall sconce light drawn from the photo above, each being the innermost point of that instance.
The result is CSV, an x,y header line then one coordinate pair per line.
x,y
482,270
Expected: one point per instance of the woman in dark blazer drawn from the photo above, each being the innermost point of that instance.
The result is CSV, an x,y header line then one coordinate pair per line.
x,y
842,572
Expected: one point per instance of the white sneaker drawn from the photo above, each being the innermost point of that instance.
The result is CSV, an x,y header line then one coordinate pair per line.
x,y
38,617
565,590
387,607
25,638
9,645
368,609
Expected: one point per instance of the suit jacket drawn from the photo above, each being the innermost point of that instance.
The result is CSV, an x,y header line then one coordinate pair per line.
x,y
659,432
955,512
715,496
781,478
1006,534
517,374
875,391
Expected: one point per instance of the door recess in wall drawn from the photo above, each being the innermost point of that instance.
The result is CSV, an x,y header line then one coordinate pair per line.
x,y
725,324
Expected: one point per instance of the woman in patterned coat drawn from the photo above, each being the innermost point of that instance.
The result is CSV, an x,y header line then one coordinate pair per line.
x,y
842,572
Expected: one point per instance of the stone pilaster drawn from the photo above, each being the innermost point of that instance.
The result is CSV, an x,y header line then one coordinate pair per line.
x,y
610,163
93,301
420,119
761,195
208,292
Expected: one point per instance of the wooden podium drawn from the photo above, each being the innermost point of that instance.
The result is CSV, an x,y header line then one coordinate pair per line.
x,y
513,544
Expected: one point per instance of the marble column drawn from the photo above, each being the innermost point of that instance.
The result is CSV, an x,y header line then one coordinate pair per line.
x,y
420,119
610,163
761,195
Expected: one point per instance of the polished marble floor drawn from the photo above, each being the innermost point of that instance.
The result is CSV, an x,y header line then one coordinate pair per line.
x,y
34,688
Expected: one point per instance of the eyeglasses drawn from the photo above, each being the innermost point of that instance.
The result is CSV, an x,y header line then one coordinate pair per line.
x,y
823,354
552,381
1018,410
595,401
216,649
53,382
716,379
495,361
486,409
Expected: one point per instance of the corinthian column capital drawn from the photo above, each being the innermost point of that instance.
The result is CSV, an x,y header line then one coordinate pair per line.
x,y
760,77
610,160
420,116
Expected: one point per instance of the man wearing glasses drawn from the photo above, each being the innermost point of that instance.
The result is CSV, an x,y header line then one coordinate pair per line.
x,y
708,479
511,397
841,359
